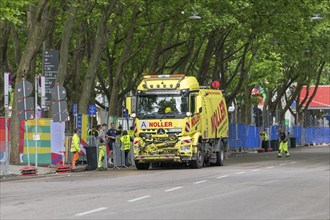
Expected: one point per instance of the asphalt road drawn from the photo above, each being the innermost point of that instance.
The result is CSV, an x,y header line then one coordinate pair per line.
x,y
249,186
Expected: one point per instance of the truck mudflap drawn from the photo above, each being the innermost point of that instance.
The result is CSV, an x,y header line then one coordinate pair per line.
x,y
157,158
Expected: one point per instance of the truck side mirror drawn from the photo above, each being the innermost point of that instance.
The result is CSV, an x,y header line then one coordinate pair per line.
x,y
200,110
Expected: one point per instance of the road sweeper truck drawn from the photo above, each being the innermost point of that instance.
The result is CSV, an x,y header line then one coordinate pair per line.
x,y
178,121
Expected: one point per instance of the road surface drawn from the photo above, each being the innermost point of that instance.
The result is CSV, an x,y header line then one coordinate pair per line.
x,y
249,186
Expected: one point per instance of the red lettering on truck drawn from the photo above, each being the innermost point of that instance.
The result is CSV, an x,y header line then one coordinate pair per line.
x,y
218,116
160,124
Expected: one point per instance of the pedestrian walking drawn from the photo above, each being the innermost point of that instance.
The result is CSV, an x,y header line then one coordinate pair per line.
x,y
126,145
283,145
75,148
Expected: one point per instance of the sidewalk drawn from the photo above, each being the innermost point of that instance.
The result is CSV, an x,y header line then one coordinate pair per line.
x,y
15,171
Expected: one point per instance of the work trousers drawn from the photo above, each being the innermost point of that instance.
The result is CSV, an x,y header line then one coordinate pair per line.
x,y
283,147
102,152
75,157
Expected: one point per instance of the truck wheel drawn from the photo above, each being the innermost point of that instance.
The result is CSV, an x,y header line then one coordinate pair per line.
x,y
142,166
220,155
198,163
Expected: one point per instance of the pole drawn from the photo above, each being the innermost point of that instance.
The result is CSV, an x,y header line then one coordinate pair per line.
x,y
25,124
7,144
36,118
62,143
27,142
6,95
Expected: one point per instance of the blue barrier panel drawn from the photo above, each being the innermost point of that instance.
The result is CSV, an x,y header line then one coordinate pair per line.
x,y
297,133
321,135
309,135
253,137
274,132
232,142
249,136
241,129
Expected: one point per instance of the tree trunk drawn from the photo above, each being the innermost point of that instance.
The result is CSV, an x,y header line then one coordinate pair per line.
x,y
38,32
99,45
114,105
64,51
5,30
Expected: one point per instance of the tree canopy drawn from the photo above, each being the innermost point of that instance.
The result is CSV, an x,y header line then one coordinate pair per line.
x,y
106,46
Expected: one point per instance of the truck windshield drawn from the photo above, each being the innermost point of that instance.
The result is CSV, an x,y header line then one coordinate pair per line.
x,y
161,106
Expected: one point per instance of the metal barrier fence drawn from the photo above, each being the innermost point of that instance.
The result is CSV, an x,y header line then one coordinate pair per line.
x,y
119,156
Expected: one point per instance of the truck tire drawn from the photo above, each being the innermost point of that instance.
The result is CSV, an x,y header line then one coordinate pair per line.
x,y
142,166
220,155
198,163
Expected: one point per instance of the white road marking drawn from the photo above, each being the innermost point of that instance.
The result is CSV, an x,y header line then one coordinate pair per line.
x,y
270,167
91,211
293,162
220,177
202,181
136,199
240,172
255,170
282,164
175,188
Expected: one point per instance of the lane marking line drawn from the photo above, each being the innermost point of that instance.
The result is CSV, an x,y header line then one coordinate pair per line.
x,y
255,170
139,198
202,181
220,177
91,211
293,162
175,188
270,167
241,172
282,164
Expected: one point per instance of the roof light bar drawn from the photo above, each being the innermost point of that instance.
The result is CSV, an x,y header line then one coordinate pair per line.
x,y
163,76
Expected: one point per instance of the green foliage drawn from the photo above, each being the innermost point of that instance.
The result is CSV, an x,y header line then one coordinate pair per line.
x,y
283,42
12,11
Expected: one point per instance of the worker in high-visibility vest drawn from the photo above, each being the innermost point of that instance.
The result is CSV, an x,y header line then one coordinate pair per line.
x,y
126,145
102,145
131,133
75,148
283,145
264,139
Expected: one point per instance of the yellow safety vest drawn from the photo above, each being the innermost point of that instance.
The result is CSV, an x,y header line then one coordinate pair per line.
x,y
264,136
126,141
75,144
131,134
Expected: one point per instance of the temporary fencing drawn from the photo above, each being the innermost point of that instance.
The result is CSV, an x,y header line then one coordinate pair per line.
x,y
4,156
247,137
119,156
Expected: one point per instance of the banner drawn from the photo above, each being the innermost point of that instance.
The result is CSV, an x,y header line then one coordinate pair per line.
x,y
57,131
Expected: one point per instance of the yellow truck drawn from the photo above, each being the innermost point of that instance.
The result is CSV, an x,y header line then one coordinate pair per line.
x,y
177,121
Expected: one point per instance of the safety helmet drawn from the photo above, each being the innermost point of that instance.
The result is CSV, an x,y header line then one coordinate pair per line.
x,y
168,109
